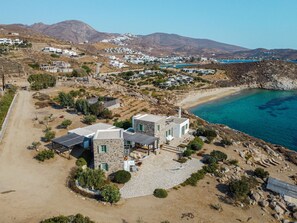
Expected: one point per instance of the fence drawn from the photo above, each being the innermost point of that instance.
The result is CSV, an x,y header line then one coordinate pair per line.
x,y
5,123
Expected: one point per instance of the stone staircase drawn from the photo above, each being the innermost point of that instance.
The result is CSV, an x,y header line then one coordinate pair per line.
x,y
172,149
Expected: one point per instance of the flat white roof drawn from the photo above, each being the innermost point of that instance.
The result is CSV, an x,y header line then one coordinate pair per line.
x,y
109,134
92,129
148,117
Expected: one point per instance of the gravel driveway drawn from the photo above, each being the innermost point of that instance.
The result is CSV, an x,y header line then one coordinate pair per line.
x,y
159,171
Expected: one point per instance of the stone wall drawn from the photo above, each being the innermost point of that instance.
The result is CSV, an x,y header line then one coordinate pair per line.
x,y
114,156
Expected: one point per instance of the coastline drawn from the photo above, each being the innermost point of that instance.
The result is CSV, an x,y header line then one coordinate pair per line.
x,y
198,97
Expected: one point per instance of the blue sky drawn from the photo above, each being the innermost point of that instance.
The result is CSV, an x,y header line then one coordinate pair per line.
x,y
247,23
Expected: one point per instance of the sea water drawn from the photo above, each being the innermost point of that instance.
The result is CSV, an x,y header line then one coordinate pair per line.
x,y
265,114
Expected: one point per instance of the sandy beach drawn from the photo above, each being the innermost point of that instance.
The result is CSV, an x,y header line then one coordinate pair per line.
x,y
194,98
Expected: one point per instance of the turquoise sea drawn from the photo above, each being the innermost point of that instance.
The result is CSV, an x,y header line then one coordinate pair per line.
x,y
265,114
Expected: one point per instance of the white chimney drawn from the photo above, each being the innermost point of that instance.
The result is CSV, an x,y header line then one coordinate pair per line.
x,y
179,112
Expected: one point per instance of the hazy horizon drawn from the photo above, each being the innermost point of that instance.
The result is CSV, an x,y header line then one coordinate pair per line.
x,y
250,24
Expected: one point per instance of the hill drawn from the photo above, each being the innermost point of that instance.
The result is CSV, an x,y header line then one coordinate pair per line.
x,y
176,44
71,30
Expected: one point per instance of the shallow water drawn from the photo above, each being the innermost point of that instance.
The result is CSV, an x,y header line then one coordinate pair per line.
x,y
268,115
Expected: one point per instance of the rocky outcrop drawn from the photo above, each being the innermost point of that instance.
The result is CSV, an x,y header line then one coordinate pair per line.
x,y
274,75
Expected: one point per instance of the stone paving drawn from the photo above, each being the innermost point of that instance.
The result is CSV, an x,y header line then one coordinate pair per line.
x,y
159,171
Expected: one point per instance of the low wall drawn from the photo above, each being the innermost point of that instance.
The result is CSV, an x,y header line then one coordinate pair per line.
x,y
5,123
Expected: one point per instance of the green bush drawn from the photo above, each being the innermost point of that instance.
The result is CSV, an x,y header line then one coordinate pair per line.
x,y
89,119
123,124
82,106
210,160
49,135
241,188
110,193
78,218
53,55
226,142
160,193
66,123
122,176
90,178
211,168
187,153
66,99
45,155
196,144
81,162
218,155
41,81
233,162
209,133
194,178
261,173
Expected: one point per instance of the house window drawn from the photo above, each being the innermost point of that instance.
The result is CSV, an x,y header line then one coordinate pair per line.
x,y
187,126
141,127
102,149
158,127
183,130
104,166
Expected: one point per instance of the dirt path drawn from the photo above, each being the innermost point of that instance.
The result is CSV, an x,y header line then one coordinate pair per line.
x,y
31,191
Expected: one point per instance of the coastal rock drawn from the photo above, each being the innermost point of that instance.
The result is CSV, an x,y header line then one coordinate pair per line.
x,y
263,203
255,196
279,210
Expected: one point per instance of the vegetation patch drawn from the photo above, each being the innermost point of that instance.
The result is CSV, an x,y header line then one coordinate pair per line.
x,y
241,188
78,218
261,173
110,193
41,81
160,193
121,176
194,178
81,162
5,103
45,155
196,144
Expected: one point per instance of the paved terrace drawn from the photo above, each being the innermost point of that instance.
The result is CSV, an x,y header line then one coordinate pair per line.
x,y
159,171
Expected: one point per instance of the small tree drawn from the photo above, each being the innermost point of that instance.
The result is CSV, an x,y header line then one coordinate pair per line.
x,y
89,119
196,144
49,135
261,173
65,123
66,99
82,106
226,142
110,193
187,153
35,145
241,188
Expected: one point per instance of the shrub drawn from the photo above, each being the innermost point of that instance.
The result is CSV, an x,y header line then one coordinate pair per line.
x,y
123,124
196,144
209,133
49,135
241,188
53,55
41,81
66,99
78,218
210,160
261,173
211,168
122,176
66,123
79,73
233,162
218,155
110,193
82,106
89,119
187,153
226,142
160,193
45,155
81,162
194,178
5,102
90,178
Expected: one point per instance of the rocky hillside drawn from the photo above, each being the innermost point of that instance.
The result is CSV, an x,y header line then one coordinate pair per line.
x,y
276,75
282,54
71,30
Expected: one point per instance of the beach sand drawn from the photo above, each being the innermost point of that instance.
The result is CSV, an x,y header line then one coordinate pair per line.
x,y
194,98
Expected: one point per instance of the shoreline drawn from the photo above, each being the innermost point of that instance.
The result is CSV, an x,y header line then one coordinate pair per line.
x,y
198,97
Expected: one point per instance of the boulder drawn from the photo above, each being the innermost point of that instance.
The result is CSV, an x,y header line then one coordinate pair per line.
x,y
255,196
263,203
279,210
294,215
